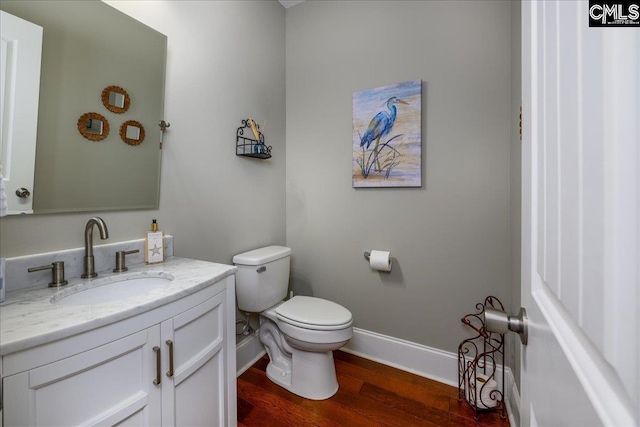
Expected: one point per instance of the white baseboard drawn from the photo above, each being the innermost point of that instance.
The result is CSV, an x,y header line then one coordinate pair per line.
x,y
513,399
428,362
248,352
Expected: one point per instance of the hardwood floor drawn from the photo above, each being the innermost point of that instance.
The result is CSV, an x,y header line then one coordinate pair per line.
x,y
370,394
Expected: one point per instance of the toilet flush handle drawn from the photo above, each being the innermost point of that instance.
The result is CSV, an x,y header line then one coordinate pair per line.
x,y
262,269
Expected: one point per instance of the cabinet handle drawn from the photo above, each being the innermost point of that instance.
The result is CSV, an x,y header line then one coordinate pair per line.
x,y
170,371
156,349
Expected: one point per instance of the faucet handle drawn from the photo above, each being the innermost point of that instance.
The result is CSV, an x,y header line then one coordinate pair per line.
x,y
120,260
57,273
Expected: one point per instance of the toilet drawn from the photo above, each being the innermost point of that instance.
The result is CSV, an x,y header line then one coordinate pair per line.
x,y
299,334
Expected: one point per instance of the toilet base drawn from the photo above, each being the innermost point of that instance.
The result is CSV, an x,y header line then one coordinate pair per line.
x,y
312,375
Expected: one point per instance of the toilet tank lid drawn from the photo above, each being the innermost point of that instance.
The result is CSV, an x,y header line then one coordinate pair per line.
x,y
262,255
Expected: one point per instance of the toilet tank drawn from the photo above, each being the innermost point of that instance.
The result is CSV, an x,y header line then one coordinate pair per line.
x,y
262,279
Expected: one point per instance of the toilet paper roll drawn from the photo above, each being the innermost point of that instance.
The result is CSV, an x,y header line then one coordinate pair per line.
x,y
485,387
380,260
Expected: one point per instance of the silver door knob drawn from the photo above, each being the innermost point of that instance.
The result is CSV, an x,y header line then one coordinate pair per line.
x,y
23,192
500,322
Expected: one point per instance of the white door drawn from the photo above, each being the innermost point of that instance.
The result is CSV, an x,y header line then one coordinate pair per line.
x,y
581,218
20,57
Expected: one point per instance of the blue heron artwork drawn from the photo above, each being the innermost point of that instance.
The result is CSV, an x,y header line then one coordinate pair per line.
x,y
387,136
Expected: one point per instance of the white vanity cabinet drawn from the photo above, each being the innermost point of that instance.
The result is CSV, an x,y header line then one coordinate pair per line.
x,y
171,366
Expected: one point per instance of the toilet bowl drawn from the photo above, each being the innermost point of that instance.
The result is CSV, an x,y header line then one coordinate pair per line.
x,y
299,334
301,353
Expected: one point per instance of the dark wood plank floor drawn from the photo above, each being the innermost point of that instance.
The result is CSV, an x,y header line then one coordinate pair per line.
x,y
370,394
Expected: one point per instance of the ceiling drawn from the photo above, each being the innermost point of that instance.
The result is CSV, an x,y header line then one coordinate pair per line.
x,y
289,3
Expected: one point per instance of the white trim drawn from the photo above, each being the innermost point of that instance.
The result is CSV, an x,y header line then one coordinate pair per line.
x,y
248,352
512,399
428,362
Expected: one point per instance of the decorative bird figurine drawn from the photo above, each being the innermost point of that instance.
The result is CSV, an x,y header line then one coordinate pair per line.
x,y
381,124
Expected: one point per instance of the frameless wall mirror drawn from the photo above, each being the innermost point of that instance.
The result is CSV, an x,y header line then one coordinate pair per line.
x,y
77,66
115,99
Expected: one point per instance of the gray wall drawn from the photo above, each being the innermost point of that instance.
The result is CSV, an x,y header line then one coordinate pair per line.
x,y
226,61
450,238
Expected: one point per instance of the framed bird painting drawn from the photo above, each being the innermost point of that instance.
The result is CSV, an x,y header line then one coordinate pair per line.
x,y
387,136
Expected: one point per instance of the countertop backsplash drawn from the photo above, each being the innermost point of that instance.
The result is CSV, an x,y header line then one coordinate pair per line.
x,y
18,278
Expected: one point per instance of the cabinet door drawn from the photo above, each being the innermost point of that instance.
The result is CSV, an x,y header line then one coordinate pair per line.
x,y
194,394
108,385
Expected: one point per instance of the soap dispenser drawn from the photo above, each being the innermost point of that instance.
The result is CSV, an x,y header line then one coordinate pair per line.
x,y
154,245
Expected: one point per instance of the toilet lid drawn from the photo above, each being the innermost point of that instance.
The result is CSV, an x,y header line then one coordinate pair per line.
x,y
314,313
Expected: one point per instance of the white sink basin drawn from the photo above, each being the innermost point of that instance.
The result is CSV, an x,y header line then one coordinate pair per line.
x,y
111,289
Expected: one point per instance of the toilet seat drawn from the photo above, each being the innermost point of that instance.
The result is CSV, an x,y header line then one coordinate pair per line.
x,y
314,313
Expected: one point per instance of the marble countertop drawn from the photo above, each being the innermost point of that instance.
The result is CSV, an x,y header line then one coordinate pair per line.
x,y
29,318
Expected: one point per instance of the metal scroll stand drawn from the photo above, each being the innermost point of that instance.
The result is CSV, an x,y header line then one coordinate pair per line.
x,y
163,126
480,382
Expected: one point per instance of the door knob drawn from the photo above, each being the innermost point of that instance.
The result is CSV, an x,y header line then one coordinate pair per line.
x,y
500,322
23,192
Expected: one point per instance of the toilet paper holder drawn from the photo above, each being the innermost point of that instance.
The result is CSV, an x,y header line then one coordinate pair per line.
x,y
379,260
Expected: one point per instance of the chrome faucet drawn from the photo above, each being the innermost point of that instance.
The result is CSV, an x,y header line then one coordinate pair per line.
x,y
89,266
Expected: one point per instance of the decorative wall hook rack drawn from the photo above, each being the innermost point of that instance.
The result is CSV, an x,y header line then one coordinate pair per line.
x,y
251,147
